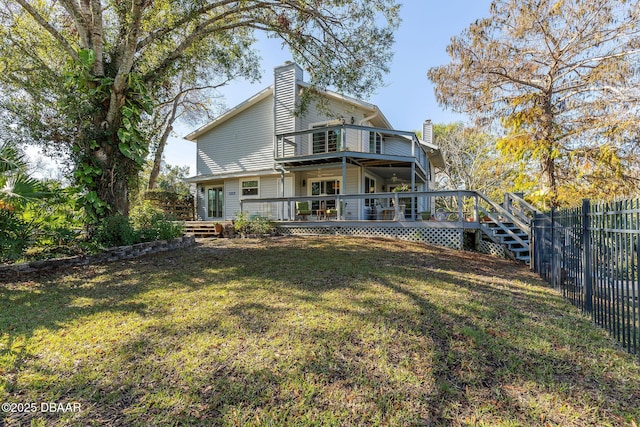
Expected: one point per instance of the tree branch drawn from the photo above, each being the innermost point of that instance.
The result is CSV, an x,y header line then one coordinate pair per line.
x,y
96,37
49,28
126,60
154,36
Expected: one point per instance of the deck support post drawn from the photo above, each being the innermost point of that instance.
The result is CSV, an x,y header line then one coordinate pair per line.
x,y
343,190
461,219
413,188
475,208
281,205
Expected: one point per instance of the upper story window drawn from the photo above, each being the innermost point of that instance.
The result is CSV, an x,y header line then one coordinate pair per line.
x,y
250,187
375,143
325,141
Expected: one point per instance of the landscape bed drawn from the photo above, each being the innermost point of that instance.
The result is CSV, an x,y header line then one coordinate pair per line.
x,y
306,331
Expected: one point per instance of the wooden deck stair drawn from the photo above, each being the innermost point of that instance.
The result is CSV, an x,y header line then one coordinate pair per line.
x,y
510,226
515,240
200,228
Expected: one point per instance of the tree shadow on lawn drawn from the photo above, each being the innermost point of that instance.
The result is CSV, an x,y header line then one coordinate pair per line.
x,y
52,302
381,349
517,341
517,381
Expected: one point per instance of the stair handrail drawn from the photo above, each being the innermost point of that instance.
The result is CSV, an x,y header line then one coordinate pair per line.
x,y
526,212
509,232
505,213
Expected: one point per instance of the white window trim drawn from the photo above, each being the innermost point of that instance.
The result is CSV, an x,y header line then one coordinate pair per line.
x,y
381,143
320,125
325,178
206,199
242,196
374,179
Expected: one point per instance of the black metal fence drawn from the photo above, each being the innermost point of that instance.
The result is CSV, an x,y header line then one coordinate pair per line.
x,y
591,254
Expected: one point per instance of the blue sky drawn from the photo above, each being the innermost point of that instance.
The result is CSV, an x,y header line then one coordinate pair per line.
x,y
407,98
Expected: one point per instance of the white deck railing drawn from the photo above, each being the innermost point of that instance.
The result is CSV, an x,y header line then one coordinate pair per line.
x,y
348,138
463,207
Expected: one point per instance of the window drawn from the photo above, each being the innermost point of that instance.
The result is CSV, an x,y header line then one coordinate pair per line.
x,y
369,187
326,141
324,188
250,187
321,188
375,143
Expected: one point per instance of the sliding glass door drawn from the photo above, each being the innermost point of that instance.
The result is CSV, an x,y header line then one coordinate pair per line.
x,y
215,202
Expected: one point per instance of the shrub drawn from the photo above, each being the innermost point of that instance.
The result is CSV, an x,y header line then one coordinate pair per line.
x,y
15,235
261,225
167,230
257,225
241,223
116,230
153,224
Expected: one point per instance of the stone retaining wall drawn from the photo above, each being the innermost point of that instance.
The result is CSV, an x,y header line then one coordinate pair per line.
x,y
110,254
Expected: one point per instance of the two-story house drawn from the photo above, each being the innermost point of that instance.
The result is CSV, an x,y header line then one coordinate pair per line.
x,y
260,150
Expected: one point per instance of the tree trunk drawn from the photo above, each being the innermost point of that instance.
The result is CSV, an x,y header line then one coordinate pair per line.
x,y
548,162
117,173
157,160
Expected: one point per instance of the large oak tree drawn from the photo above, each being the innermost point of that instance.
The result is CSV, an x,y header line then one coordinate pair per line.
x,y
561,78
80,75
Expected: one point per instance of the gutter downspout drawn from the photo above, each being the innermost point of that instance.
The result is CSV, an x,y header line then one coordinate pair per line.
x,y
369,118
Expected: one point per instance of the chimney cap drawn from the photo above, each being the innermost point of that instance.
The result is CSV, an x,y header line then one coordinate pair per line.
x,y
427,121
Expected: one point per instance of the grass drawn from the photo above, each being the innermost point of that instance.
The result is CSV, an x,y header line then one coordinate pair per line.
x,y
308,331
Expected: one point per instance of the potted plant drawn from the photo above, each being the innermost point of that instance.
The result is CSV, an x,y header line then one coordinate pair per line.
x,y
218,228
425,215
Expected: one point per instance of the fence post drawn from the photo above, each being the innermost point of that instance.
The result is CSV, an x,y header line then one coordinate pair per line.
x,y
587,278
553,249
533,242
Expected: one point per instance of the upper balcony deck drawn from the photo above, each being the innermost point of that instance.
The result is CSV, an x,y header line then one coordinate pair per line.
x,y
370,146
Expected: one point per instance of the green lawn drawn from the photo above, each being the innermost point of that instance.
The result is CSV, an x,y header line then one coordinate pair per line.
x,y
308,331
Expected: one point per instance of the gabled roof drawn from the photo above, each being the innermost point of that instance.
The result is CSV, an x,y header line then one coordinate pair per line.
x,y
434,153
193,136
353,101
264,93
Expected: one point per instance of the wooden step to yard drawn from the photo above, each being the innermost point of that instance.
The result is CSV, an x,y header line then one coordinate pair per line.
x,y
201,228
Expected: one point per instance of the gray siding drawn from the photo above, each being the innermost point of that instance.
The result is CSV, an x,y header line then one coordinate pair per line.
x,y
201,204
269,187
396,146
242,143
338,110
231,198
286,97
285,100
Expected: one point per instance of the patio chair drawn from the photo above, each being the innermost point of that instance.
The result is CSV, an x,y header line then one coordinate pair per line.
x,y
303,210
333,212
